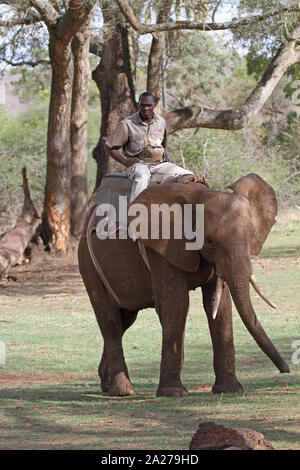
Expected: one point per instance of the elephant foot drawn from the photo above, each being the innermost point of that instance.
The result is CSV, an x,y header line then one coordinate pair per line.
x,y
120,386
176,391
232,386
104,385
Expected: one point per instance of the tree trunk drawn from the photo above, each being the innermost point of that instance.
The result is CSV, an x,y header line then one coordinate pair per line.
x,y
155,61
56,214
79,117
14,241
62,28
114,79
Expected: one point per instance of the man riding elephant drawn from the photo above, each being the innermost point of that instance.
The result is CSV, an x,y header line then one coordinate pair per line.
x,y
143,137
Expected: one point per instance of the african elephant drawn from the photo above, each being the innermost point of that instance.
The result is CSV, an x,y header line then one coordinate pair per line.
x,y
236,224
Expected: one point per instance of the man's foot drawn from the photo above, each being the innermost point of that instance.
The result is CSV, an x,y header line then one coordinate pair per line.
x,y
190,178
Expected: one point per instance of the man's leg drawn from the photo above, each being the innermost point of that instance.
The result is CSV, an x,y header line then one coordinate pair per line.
x,y
140,174
169,169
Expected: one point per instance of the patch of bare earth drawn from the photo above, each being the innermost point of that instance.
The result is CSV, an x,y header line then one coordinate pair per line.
x,y
15,380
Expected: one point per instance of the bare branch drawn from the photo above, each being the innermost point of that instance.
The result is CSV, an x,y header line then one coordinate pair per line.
x,y
46,10
296,173
215,11
32,19
143,28
25,62
96,47
77,13
234,119
55,5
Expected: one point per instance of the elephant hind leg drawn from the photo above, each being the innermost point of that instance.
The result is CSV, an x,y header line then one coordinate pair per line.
x,y
112,369
128,318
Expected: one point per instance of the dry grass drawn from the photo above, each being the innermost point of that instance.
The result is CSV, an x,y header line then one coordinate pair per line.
x,y
50,396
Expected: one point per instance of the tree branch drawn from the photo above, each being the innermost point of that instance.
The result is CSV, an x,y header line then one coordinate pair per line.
x,y
234,119
96,47
75,16
215,11
143,28
32,19
296,173
46,10
25,62
55,5
156,51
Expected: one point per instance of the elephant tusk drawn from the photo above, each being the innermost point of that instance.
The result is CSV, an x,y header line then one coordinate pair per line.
x,y
217,297
260,293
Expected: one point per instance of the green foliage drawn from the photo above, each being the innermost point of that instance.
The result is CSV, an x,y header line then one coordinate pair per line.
x,y
263,38
224,156
257,63
23,140
203,66
23,143
32,83
292,85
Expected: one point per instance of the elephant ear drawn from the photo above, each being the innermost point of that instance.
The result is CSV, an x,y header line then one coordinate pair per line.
x,y
172,249
263,207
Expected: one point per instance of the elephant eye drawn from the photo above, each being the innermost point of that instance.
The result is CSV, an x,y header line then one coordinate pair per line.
x,y
210,241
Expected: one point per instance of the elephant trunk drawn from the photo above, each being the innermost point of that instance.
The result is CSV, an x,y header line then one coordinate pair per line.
x,y
239,285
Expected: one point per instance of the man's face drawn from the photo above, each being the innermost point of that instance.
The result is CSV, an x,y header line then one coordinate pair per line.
x,y
146,107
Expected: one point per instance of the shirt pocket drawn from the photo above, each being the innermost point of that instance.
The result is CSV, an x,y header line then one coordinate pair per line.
x,y
136,143
156,138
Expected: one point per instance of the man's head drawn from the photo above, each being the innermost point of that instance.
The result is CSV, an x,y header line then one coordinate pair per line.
x,y
146,105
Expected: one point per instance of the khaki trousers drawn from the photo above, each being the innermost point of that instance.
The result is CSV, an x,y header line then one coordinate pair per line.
x,y
140,173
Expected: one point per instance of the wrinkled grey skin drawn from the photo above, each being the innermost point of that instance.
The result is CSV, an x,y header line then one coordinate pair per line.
x,y
236,226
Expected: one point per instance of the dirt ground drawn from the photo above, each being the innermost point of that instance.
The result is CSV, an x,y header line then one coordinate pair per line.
x,y
57,279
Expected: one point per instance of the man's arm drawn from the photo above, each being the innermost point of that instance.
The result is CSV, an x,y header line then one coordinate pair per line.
x,y
165,146
116,141
115,154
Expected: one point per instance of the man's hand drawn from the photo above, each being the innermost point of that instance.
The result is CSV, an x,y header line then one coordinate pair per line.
x,y
115,154
131,161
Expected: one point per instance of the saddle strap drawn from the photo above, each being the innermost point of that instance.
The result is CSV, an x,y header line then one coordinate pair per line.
x,y
95,261
97,265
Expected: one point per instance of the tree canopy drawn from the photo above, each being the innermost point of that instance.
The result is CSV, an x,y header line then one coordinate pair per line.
x,y
177,49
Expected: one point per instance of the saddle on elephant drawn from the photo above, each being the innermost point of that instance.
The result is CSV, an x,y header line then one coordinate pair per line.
x,y
109,196
114,185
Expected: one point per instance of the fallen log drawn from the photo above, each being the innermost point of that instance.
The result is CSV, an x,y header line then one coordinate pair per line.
x,y
14,242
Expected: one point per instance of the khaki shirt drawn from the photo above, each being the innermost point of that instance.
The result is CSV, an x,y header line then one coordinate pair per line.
x,y
139,139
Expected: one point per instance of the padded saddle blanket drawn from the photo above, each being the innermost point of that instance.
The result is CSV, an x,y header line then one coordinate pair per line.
x,y
114,185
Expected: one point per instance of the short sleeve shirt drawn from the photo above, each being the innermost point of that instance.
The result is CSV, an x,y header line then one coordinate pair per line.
x,y
134,135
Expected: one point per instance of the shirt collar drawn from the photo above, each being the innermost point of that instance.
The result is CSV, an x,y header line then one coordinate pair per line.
x,y
139,120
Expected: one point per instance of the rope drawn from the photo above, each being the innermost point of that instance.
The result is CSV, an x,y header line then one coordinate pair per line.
x,y
97,265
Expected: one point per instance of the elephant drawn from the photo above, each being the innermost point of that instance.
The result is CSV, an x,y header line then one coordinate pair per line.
x,y
236,224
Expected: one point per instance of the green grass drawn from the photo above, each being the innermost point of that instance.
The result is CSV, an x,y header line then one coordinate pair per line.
x,y
49,389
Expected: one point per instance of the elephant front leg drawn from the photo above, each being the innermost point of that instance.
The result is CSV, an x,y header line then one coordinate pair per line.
x,y
171,302
222,340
